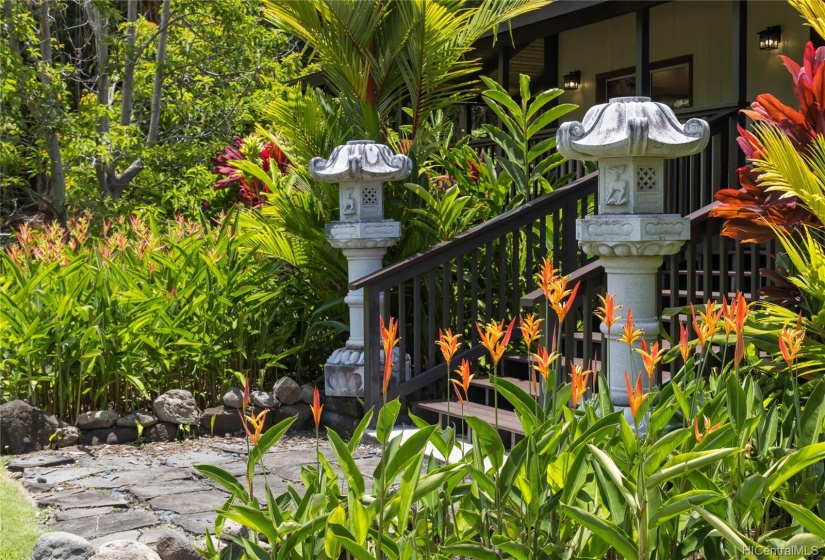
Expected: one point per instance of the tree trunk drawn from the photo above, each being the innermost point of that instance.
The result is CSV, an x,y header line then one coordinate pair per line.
x,y
157,86
129,70
57,194
100,24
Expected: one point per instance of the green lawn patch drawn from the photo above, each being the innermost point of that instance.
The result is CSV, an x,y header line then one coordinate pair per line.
x,y
18,522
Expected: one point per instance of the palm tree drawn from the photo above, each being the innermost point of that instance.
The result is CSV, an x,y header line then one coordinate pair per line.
x,y
380,55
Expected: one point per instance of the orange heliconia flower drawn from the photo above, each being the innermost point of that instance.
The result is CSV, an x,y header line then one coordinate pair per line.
x,y
554,287
635,396
728,316
652,358
257,423
710,322
558,295
607,312
389,339
708,428
495,339
544,360
684,342
790,344
316,408
547,277
449,344
530,326
630,333
579,382
740,314
464,378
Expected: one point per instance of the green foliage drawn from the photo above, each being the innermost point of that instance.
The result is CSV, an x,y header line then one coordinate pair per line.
x,y
582,483
526,161
120,316
222,64
380,56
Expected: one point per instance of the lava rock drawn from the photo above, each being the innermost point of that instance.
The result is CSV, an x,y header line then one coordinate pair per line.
x,y
172,545
177,406
162,431
146,419
342,424
303,411
125,550
287,391
226,420
66,436
233,398
350,406
24,428
97,419
263,400
307,394
234,529
62,546
110,436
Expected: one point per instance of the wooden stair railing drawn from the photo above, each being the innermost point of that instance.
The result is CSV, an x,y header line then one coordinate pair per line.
x,y
468,278
484,273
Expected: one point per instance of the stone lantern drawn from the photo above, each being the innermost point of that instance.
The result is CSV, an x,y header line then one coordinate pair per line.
x,y
360,168
630,137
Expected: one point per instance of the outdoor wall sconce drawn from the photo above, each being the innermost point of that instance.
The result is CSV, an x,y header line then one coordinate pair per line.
x,y
770,38
572,80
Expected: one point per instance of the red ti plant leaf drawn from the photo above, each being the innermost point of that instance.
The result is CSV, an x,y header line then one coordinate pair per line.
x,y
750,211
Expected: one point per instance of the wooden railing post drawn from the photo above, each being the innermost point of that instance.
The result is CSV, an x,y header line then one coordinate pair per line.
x,y
372,351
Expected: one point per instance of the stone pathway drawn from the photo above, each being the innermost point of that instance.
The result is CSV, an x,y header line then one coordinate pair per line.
x,y
130,492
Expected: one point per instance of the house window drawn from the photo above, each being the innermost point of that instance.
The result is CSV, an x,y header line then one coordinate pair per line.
x,y
671,82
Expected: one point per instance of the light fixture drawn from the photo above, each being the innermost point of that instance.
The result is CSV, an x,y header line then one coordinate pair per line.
x,y
770,38
572,80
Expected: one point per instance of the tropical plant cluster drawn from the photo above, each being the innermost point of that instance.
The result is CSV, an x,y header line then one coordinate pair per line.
x,y
718,463
92,318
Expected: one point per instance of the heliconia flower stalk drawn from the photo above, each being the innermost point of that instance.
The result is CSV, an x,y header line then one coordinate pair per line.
x,y
449,344
389,339
316,408
579,382
530,327
464,379
630,333
258,425
607,312
495,339
636,395
651,358
544,360
790,344
684,342
708,428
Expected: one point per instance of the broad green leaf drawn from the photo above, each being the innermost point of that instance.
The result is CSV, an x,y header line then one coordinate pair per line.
x,y
270,438
791,464
687,462
624,486
606,530
805,517
682,503
386,420
490,440
351,471
226,480
813,415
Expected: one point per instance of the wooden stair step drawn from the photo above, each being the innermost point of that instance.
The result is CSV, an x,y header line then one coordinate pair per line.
x,y
484,383
507,420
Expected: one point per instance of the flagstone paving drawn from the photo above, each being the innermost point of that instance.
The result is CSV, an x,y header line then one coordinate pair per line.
x,y
105,493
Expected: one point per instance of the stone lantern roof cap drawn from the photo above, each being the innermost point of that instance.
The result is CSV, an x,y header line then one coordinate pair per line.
x,y
361,160
631,126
